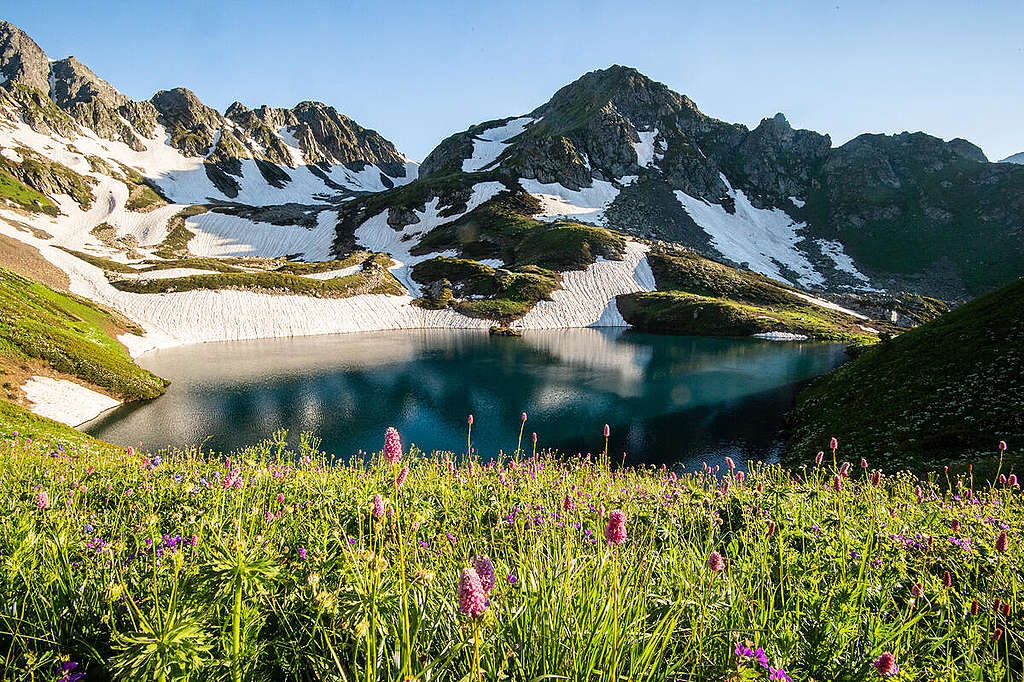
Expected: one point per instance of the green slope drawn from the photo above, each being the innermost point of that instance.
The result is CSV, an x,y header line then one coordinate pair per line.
x,y
40,327
949,388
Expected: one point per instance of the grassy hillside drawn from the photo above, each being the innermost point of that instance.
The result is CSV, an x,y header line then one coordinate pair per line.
x,y
950,388
43,329
697,296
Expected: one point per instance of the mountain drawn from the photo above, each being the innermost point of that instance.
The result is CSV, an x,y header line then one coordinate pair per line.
x,y
942,391
616,202
908,211
1014,158
307,151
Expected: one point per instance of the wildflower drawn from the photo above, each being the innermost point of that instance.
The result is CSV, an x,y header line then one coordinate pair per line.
x,y
715,562
1006,610
378,507
885,665
69,674
837,482
818,457
1011,480
302,553
615,531
131,452
402,475
876,477
512,578
996,604
607,431
485,569
43,500
955,525
975,607
917,590
833,445
567,503
844,470
918,493
470,420
534,437
524,416
730,463
863,463
740,476
997,635
947,579
1002,542
472,599
392,446
1002,446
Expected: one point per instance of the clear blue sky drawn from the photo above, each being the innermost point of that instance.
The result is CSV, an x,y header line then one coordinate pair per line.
x,y
420,71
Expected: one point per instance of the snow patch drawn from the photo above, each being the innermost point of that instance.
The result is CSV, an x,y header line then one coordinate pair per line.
x,y
828,304
560,203
779,336
834,251
799,203
645,148
489,145
587,297
765,240
65,401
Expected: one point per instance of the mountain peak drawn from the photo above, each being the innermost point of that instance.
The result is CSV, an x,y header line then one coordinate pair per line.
x,y
21,59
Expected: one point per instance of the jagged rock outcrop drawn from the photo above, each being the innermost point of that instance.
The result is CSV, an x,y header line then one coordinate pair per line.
x,y
192,125
94,103
21,60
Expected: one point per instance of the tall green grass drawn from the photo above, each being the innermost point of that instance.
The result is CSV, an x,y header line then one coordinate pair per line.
x,y
271,565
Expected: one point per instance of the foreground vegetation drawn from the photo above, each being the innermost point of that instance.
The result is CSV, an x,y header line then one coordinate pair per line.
x,y
279,563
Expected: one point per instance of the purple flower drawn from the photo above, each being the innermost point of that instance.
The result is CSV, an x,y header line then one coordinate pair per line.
x,y
485,569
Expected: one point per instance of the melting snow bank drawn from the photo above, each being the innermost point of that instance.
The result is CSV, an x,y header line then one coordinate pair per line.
x,y
587,297
780,336
65,401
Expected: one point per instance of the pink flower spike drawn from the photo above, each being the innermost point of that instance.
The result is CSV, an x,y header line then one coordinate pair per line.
x,y
392,446
42,500
607,431
715,562
615,531
535,437
524,416
730,463
818,457
402,475
833,444
378,507
472,598
1002,446
470,420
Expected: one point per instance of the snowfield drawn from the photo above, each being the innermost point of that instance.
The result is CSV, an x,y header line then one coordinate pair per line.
x,y
488,146
65,401
586,204
764,240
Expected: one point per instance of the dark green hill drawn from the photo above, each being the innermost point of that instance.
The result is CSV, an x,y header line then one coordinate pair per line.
x,y
948,389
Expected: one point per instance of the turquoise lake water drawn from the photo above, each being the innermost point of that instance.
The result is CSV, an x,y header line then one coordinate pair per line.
x,y
668,399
